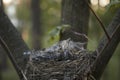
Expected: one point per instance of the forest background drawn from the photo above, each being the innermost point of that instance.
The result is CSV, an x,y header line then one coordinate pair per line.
x,y
21,14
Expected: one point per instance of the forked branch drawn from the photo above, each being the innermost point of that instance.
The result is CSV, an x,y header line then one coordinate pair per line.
x,y
106,49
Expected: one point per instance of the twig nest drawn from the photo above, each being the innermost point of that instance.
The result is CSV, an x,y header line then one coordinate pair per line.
x,y
66,60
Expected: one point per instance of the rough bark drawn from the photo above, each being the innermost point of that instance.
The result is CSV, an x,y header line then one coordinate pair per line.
x,y
1,3
3,56
36,24
13,40
3,59
106,48
76,14
104,51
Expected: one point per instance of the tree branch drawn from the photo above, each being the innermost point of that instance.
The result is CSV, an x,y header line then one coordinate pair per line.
x,y
13,40
106,48
18,70
99,20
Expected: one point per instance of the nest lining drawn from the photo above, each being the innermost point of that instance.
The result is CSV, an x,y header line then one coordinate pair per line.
x,y
66,60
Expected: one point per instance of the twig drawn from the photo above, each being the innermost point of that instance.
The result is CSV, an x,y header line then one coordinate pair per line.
x,y
113,34
99,20
9,53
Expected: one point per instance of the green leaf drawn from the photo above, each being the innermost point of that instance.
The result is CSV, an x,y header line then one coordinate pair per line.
x,y
64,27
56,31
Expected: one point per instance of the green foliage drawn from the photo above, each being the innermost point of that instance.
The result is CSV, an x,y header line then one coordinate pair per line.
x,y
51,13
56,31
106,14
10,73
54,34
23,12
50,19
113,6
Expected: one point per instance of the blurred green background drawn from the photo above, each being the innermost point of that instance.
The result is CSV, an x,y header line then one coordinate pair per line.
x,y
19,11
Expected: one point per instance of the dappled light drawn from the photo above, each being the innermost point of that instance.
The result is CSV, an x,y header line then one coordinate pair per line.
x,y
102,3
59,39
7,1
94,2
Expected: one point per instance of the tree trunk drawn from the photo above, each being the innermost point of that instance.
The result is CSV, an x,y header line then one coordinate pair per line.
x,y
103,53
36,27
1,3
3,57
13,40
76,14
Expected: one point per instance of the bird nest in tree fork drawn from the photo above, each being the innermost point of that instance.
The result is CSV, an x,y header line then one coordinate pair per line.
x,y
66,60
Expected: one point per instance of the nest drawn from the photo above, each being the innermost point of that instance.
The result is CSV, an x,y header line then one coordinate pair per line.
x,y
66,60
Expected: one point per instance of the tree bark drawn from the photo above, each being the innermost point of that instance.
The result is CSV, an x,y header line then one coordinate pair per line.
x,y
1,3
104,51
36,24
3,56
76,14
13,40
106,48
